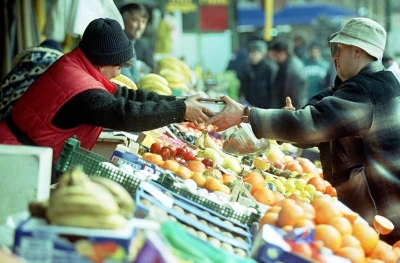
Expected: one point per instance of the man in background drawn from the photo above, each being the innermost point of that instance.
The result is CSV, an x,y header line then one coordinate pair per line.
x,y
391,64
259,78
135,18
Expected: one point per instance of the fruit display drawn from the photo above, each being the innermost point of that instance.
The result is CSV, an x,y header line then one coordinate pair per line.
x,y
154,83
176,72
123,80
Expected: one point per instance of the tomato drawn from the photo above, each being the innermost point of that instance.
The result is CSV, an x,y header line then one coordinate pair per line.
x,y
207,162
156,147
165,153
180,151
171,149
188,156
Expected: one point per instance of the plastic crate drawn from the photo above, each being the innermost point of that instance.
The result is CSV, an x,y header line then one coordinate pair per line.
x,y
168,183
93,164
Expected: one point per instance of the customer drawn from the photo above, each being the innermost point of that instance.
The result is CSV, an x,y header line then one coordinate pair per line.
x,y
365,105
259,76
135,18
75,96
315,68
290,80
391,64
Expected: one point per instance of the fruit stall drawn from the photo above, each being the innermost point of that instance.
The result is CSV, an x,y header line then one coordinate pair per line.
x,y
178,194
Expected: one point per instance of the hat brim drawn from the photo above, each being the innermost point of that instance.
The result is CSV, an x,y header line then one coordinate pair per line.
x,y
373,50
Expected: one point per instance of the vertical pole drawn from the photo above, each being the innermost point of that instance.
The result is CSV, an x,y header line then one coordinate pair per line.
x,y
269,16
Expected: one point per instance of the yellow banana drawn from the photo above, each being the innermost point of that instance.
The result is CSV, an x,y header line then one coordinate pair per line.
x,y
154,76
120,194
211,154
124,81
199,144
157,87
209,143
111,221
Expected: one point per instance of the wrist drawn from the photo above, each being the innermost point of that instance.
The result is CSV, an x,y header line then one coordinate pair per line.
x,y
246,115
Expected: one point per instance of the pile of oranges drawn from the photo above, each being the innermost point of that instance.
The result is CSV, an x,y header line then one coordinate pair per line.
x,y
337,229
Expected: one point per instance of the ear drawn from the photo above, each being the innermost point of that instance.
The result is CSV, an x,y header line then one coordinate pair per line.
x,y
358,52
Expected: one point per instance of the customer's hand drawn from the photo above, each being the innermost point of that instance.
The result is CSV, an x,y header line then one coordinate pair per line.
x,y
230,116
195,111
289,105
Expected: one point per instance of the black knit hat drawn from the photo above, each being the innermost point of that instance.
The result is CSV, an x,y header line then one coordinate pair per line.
x,y
104,43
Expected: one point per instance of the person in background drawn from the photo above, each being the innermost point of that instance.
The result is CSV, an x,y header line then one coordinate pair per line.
x,y
365,106
75,97
290,80
315,69
300,47
27,66
145,54
391,64
259,77
135,18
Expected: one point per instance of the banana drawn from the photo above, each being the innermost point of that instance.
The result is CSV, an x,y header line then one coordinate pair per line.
x,y
156,87
154,76
111,221
123,198
209,143
211,154
124,81
77,199
199,143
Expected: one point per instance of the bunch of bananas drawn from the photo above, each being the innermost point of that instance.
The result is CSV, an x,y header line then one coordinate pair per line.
x,y
177,72
88,201
164,38
209,149
155,83
123,80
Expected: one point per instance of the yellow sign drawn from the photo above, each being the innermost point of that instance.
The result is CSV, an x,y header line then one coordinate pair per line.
x,y
185,6
214,2
269,14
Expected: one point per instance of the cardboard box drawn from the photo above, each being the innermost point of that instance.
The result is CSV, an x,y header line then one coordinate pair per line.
x,y
40,242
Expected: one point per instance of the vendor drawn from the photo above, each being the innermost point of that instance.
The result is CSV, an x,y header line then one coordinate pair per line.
x,y
75,96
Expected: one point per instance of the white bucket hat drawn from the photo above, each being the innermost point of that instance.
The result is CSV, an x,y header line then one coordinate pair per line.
x,y
364,33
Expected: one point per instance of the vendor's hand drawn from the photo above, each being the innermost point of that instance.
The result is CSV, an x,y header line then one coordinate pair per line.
x,y
195,111
230,116
289,105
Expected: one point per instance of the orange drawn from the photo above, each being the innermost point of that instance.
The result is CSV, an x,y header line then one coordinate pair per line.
x,y
318,182
383,252
154,158
214,173
274,209
213,184
307,165
329,235
383,225
304,222
330,190
317,201
355,255
184,172
264,196
367,236
255,179
302,248
199,178
397,244
350,215
325,211
196,166
269,218
225,189
290,213
171,165
350,241
341,224
294,166
229,178
278,196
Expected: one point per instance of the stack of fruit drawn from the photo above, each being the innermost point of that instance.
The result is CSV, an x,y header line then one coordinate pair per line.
x,y
177,73
154,83
87,201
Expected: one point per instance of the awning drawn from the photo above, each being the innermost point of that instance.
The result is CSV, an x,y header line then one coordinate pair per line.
x,y
293,14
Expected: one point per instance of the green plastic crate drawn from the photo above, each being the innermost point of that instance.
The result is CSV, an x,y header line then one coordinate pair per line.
x,y
93,164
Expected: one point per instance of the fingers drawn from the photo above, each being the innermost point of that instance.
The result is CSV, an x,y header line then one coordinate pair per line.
x,y
289,102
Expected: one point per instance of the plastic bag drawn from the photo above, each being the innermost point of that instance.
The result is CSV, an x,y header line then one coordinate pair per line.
x,y
244,142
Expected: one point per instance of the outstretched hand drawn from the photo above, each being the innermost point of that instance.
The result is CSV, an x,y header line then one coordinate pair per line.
x,y
195,111
289,105
230,116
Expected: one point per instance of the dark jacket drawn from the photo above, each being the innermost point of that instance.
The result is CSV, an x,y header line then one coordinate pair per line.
x,y
290,82
365,106
257,84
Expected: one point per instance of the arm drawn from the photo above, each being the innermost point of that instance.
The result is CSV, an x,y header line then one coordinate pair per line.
x,y
127,109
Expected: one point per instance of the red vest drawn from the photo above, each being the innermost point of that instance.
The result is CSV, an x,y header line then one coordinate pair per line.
x,y
34,111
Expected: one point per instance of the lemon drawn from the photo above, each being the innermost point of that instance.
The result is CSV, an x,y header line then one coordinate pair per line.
x,y
310,188
300,183
290,186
